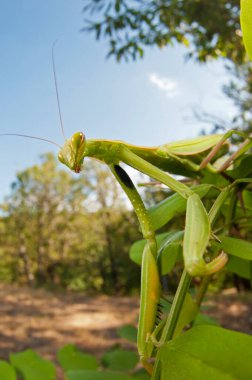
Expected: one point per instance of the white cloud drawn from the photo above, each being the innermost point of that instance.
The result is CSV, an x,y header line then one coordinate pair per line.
x,y
169,86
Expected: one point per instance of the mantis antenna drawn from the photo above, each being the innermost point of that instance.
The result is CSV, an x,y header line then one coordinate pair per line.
x,y
57,91
59,109
31,137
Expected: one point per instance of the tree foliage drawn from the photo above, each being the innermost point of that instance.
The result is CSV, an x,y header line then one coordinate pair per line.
x,y
239,90
210,29
60,230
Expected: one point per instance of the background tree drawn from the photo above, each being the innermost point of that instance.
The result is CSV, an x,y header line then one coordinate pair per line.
x,y
210,28
70,231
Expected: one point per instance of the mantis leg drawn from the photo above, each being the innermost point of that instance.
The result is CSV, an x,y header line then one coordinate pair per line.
x,y
145,167
150,283
242,148
195,242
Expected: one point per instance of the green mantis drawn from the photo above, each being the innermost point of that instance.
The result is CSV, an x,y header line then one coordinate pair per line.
x,y
190,158
151,161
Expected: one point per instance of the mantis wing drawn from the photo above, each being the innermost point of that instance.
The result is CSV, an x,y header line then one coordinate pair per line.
x,y
182,157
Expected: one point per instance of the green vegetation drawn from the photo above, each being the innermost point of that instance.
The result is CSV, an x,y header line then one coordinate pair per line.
x,y
62,231
205,235
209,29
202,229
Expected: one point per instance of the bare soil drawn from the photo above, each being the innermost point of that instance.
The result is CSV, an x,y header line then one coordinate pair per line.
x,y
47,321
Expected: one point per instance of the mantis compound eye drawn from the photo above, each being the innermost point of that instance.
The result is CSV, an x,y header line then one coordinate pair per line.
x,y
82,137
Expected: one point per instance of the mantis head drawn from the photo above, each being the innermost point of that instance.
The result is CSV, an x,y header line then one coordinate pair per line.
x,y
72,153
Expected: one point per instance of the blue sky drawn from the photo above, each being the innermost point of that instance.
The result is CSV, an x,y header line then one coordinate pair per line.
x,y
149,102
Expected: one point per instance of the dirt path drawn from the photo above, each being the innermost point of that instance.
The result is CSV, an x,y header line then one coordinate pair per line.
x,y
45,322
231,309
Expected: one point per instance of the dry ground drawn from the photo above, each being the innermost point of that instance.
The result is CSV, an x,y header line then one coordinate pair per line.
x,y
45,321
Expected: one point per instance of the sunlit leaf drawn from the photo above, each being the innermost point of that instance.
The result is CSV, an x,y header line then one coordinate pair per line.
x,y
240,266
203,319
207,352
70,359
96,375
136,250
120,360
246,24
173,206
187,314
168,257
32,366
236,247
6,371
128,332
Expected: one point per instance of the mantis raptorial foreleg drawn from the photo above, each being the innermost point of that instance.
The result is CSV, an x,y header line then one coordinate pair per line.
x,y
197,238
150,283
242,148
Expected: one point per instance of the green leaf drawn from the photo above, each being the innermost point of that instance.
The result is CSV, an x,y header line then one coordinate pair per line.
x,y
128,332
120,360
237,247
136,250
141,375
70,359
6,371
243,168
168,257
187,314
173,206
96,375
239,266
169,251
31,366
117,5
247,199
207,352
246,24
203,319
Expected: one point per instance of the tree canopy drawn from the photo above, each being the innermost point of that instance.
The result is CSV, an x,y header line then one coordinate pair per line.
x,y
61,230
210,29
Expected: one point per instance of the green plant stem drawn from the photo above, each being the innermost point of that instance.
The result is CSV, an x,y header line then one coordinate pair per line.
x,y
231,210
172,319
176,307
202,290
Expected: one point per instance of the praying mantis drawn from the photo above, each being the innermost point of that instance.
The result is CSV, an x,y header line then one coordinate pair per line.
x,y
197,236
188,158
198,223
